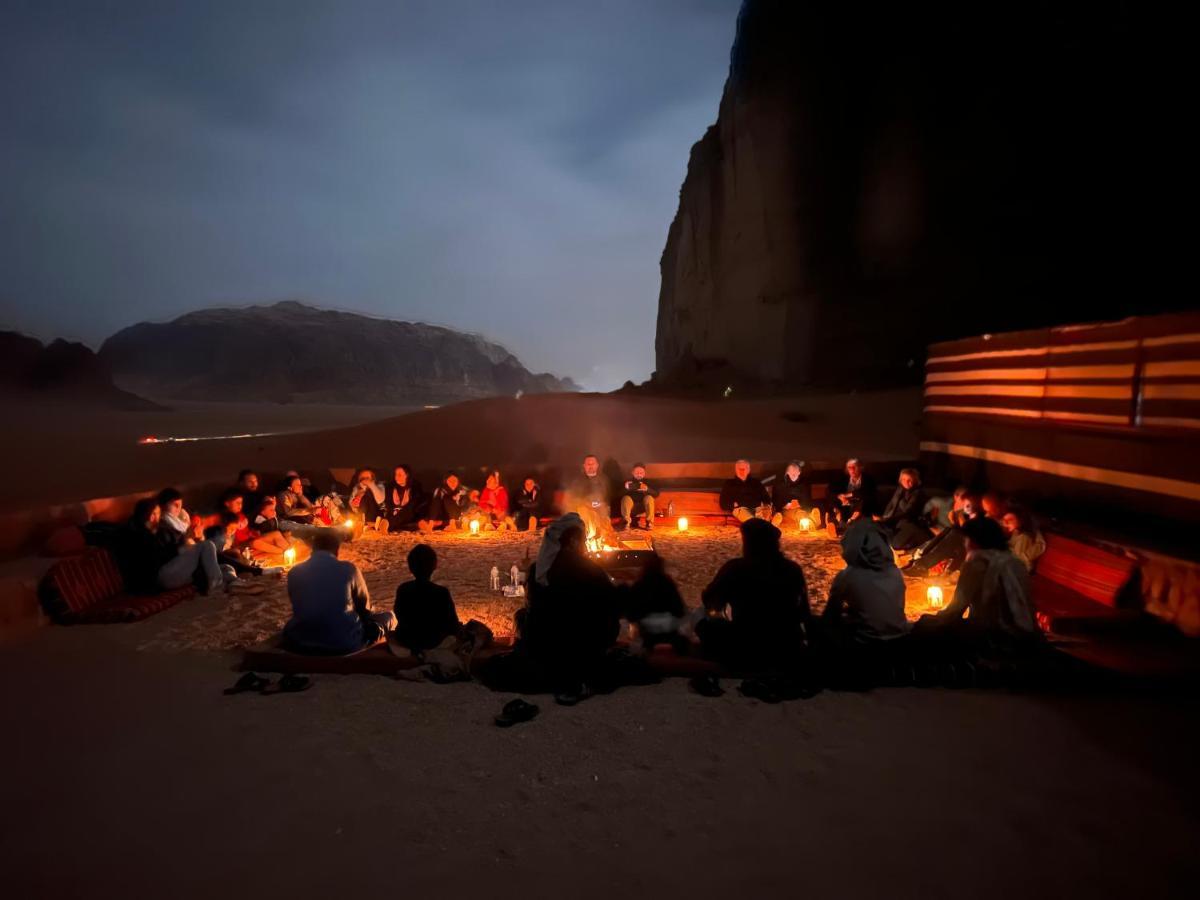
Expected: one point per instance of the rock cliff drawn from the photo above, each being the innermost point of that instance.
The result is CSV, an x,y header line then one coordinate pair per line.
x,y
290,352
880,177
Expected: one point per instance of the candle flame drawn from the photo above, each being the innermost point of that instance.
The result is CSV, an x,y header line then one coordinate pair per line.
x,y
935,597
805,524
289,556
683,523
474,526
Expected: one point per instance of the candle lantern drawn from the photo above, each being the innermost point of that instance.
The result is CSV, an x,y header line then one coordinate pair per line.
x,y
806,524
682,523
349,523
474,526
935,597
289,557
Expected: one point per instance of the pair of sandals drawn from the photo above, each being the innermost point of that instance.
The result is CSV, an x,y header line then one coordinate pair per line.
x,y
256,684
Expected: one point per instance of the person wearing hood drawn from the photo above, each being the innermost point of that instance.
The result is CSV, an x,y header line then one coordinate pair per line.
x,y
572,614
405,501
866,599
766,596
903,518
993,592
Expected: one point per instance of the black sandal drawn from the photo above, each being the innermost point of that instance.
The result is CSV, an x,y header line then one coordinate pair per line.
x,y
516,711
249,682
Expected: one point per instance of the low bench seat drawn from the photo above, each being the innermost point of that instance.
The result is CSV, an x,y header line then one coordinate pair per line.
x,y
88,590
1076,587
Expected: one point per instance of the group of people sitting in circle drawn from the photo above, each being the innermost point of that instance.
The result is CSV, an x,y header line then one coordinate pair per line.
x,y
755,611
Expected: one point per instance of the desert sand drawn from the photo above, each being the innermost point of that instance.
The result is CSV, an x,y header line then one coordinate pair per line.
x,y
71,455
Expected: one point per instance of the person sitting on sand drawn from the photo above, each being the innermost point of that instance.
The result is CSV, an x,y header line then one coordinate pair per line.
x,y
866,599
270,544
904,516
451,501
588,495
151,559
744,496
947,550
331,606
238,556
405,501
767,598
655,606
176,520
1024,539
293,504
425,612
637,498
993,593
572,614
529,506
493,503
271,527
367,497
791,498
250,487
853,496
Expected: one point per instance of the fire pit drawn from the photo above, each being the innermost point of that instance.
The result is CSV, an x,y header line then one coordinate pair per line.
x,y
623,560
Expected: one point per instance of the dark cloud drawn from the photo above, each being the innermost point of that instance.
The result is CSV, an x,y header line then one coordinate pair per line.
x,y
506,167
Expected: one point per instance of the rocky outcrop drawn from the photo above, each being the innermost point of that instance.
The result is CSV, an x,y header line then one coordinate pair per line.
x,y
61,371
290,352
882,177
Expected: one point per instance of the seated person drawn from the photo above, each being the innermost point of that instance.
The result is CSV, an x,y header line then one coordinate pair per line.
x,y
493,504
405,501
1024,539
588,496
368,499
994,505
151,559
904,516
655,606
637,498
993,592
767,597
331,607
275,530
293,504
866,599
237,556
249,486
176,520
791,498
853,496
744,496
947,550
450,504
529,506
572,613
425,613
269,544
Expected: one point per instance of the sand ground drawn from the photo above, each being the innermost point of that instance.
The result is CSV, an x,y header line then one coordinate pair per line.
x,y
128,773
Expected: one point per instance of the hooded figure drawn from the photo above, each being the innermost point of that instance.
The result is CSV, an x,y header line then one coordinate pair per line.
x,y
866,599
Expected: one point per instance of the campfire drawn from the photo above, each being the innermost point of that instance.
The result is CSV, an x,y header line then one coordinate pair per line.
x,y
621,559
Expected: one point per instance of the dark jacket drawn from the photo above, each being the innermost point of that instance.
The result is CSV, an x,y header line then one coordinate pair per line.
x,y
905,506
784,492
749,493
585,491
573,620
417,500
448,505
864,496
632,488
140,553
425,614
530,501
767,596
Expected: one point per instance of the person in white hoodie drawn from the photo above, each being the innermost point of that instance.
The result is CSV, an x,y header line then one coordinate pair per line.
x,y
866,599
175,518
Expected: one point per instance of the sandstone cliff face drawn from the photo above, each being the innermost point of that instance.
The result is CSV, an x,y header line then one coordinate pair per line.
x,y
290,352
878,179
61,371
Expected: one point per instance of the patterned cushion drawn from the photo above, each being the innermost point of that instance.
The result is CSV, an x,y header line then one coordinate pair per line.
x,y
130,607
89,589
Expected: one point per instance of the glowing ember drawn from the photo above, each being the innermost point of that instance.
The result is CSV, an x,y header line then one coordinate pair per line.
x,y
474,526
806,524
683,523
289,556
935,597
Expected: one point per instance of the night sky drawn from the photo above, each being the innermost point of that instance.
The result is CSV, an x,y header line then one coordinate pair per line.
x,y
509,168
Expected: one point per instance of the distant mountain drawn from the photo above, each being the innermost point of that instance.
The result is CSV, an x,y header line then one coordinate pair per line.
x,y
292,353
59,371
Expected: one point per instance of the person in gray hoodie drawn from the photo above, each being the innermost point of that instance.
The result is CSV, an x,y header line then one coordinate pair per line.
x,y
866,599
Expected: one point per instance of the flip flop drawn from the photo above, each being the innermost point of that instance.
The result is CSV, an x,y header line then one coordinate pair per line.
x,y
707,686
249,682
573,696
289,684
516,711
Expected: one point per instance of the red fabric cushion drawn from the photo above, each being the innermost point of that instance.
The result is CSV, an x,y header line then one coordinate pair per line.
x,y
130,607
84,581
1096,574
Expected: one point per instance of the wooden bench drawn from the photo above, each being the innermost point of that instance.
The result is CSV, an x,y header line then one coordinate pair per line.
x,y
1076,587
89,589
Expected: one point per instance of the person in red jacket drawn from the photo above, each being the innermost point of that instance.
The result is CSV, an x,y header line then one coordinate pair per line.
x,y
493,504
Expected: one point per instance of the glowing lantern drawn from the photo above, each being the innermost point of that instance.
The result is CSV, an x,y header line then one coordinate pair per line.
x,y
935,598
289,556
349,523
683,523
806,524
474,526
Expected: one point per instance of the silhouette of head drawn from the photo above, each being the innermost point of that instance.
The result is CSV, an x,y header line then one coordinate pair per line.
x,y
422,560
760,539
